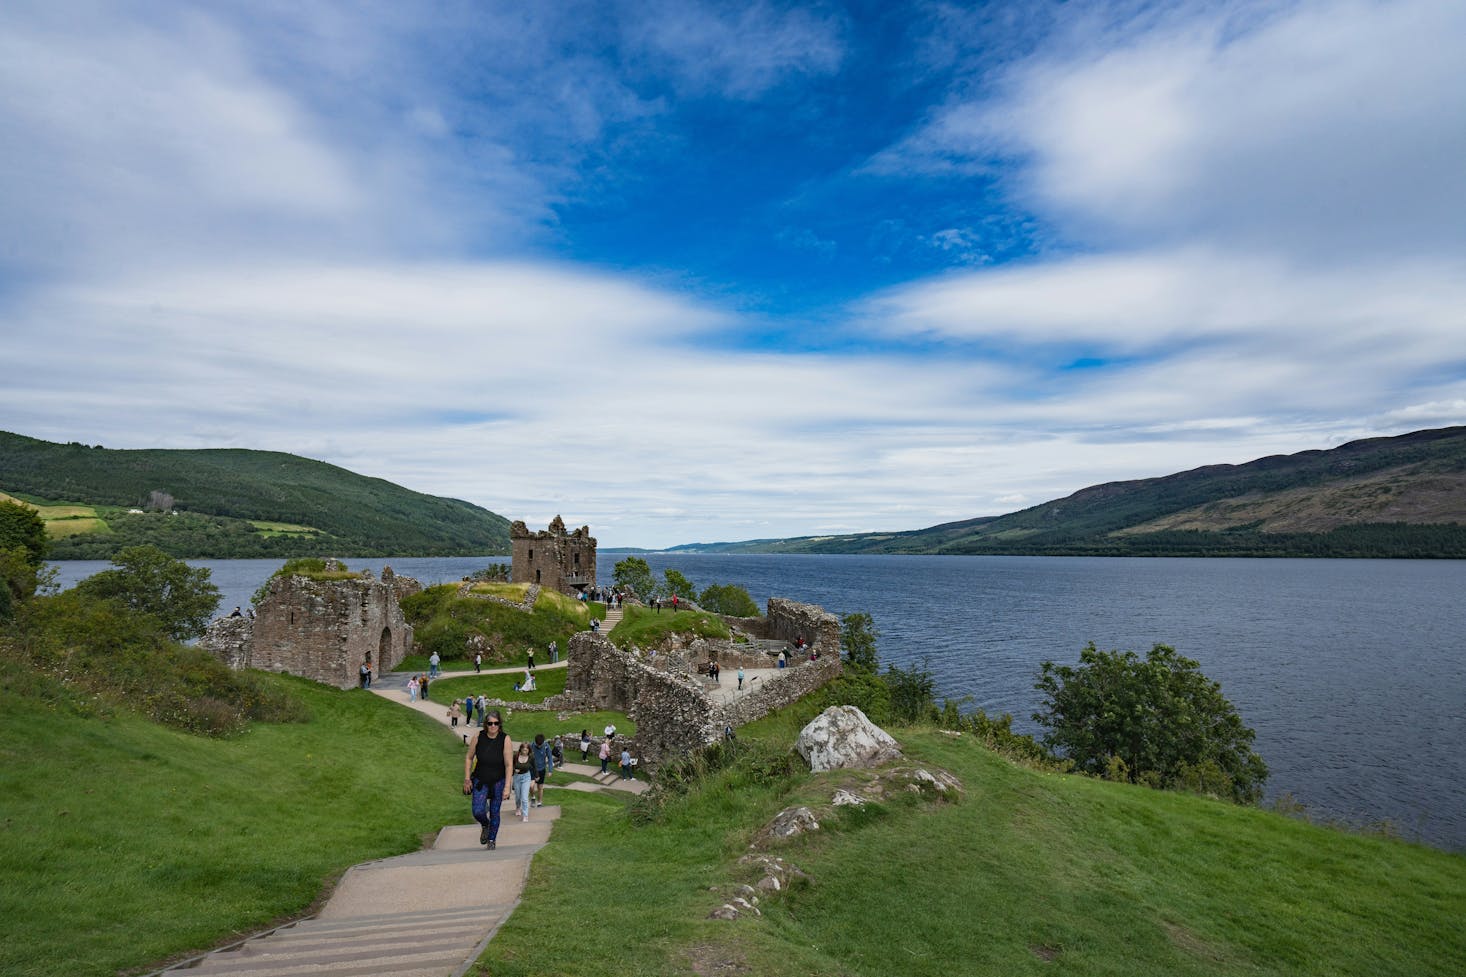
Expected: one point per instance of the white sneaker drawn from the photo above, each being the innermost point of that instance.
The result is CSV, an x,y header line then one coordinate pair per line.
x,y
526,815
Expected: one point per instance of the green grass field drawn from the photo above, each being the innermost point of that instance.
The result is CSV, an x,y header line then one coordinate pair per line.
x,y
125,843
1031,873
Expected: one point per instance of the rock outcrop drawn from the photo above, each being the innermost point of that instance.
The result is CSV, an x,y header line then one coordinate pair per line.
x,y
842,737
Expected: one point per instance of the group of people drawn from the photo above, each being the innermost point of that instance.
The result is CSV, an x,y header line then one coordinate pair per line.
x,y
496,769
417,688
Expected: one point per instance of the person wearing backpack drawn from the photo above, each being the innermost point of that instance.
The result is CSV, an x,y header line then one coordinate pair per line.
x,y
544,763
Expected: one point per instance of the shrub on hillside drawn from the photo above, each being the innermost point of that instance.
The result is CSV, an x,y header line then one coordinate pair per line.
x,y
729,599
1166,723
99,647
145,579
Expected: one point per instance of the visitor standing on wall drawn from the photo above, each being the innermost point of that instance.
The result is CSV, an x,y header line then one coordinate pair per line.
x,y
485,776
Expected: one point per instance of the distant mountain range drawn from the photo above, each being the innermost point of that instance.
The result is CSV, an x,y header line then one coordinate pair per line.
x,y
1400,497
229,503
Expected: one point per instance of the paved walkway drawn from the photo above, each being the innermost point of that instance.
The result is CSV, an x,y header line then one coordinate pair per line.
x,y
429,913
426,914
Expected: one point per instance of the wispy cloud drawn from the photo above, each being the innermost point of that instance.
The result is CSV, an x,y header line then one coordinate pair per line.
x,y
1187,236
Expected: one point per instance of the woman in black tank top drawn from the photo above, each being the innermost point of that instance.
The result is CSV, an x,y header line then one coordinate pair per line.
x,y
484,775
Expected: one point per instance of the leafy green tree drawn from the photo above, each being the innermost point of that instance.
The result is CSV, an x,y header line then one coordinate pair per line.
x,y
1164,721
729,599
22,554
22,526
635,575
679,585
147,580
858,637
913,693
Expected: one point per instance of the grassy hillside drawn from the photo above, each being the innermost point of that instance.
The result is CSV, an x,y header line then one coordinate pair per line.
x,y
1401,497
445,623
233,503
126,842
1030,873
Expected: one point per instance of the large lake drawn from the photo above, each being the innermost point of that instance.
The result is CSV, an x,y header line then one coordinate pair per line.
x,y
1353,672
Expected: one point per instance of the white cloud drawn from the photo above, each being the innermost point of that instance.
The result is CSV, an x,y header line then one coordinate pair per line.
x,y
1318,127
738,51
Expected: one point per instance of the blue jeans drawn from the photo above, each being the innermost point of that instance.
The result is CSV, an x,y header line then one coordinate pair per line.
x,y
521,791
488,796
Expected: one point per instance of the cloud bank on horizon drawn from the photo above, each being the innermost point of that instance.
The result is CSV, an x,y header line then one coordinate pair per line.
x,y
694,271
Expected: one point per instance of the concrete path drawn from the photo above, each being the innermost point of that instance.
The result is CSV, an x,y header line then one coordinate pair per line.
x,y
426,914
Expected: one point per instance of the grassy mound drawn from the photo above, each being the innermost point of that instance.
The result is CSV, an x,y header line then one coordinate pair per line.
x,y
446,623
1030,873
643,627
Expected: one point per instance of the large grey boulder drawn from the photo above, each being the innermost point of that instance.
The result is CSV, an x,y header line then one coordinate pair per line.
x,y
842,737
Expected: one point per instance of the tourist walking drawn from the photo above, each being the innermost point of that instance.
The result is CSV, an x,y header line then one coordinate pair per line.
x,y
782,659
584,745
485,767
530,667
433,662
468,711
626,764
453,713
366,673
543,764
606,755
478,661
523,774
554,652
412,689
483,710
740,678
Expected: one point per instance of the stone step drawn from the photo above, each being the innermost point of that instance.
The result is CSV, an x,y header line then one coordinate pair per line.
x,y
437,961
376,939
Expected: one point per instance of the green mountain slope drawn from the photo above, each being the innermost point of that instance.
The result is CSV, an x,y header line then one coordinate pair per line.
x,y
238,503
1381,497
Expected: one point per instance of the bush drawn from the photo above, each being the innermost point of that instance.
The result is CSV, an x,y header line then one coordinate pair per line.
x,y
101,648
147,580
1166,723
729,599
635,575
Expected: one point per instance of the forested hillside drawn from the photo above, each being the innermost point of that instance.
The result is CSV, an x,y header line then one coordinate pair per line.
x,y
232,503
1402,497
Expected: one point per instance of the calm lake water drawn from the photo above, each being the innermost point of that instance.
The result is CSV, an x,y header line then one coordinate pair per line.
x,y
1353,672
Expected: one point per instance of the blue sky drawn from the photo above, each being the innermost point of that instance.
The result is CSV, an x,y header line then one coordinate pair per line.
x,y
695,271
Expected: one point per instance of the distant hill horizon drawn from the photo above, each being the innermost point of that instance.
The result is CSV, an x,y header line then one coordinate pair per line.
x,y
1387,497
228,503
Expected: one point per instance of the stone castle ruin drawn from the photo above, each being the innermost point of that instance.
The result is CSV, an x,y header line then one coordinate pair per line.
x,y
554,558
676,708
320,629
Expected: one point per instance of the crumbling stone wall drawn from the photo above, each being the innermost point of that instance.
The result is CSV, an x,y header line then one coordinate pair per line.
x,y
553,558
672,712
788,620
320,629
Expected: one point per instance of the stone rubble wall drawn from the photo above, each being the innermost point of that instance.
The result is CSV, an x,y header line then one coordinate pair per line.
x,y
793,683
673,714
788,620
320,630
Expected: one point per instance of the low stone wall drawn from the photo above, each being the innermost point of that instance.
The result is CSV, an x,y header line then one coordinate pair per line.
x,y
793,684
672,712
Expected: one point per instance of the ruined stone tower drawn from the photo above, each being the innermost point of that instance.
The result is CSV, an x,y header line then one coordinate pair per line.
x,y
554,558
